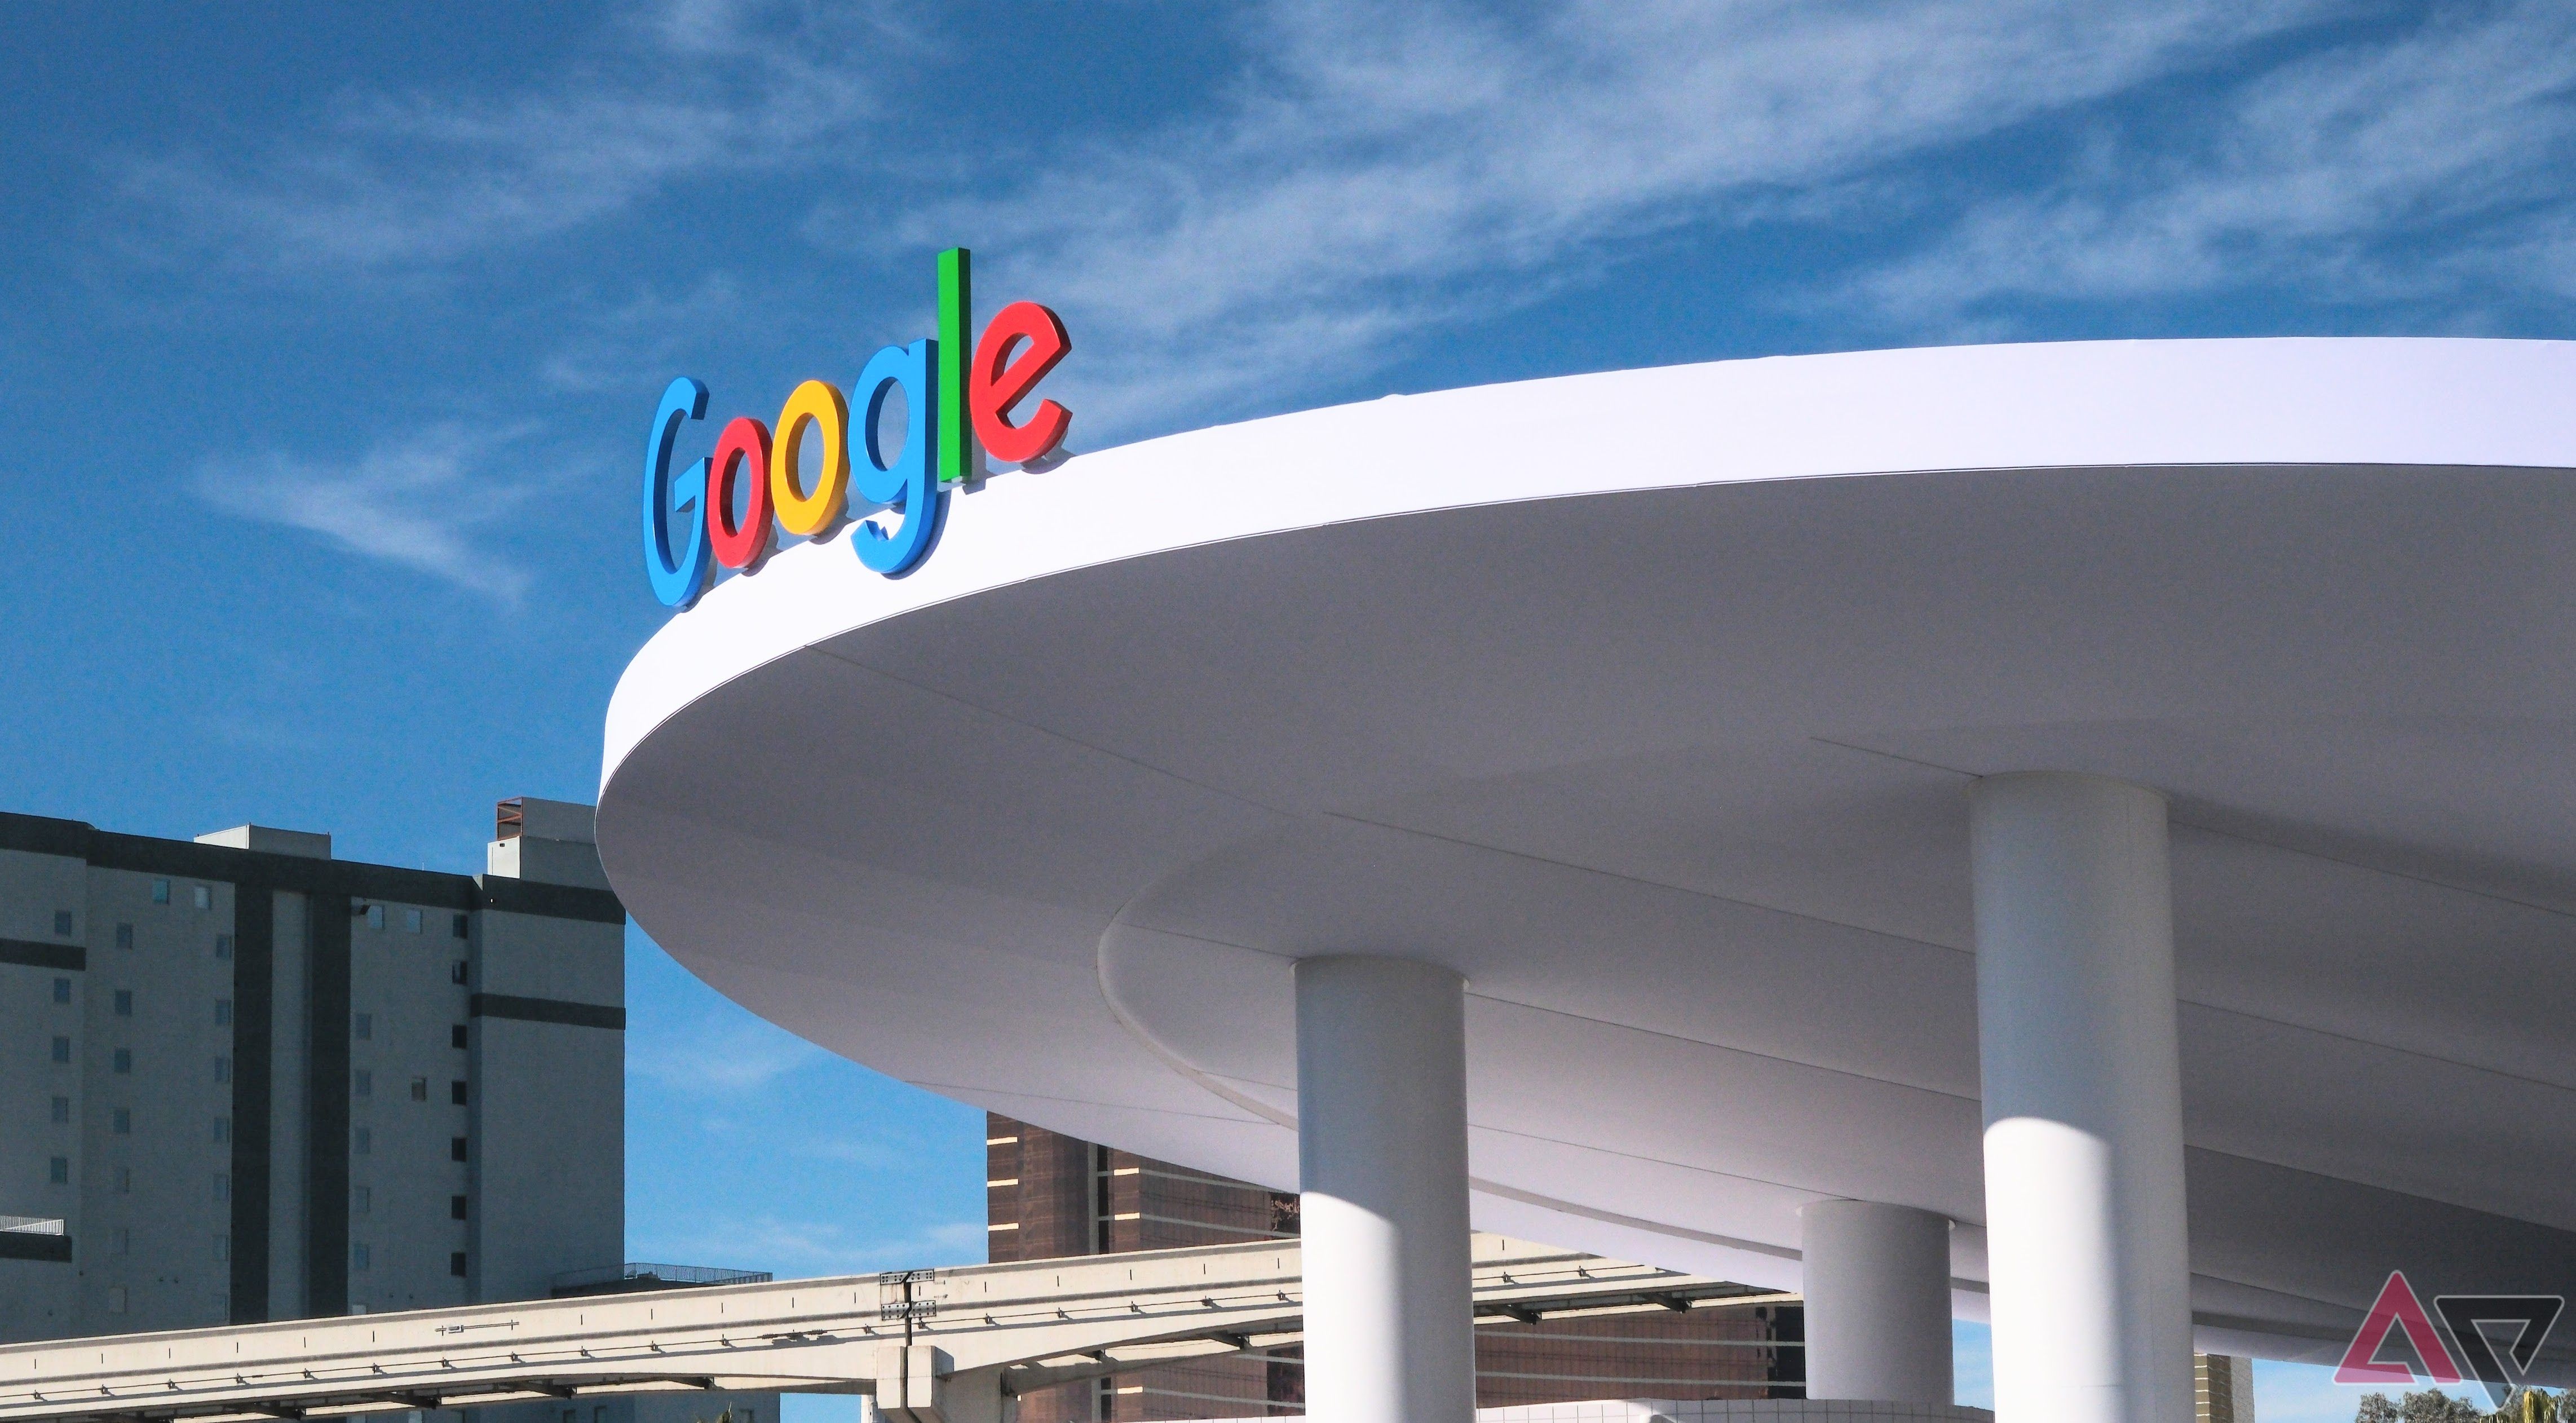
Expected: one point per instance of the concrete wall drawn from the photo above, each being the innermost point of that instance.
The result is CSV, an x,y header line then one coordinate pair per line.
x,y
155,1179
41,1297
261,1151
549,1115
405,1227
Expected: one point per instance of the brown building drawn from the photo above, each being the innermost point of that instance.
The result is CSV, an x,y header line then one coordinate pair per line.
x,y
1050,1195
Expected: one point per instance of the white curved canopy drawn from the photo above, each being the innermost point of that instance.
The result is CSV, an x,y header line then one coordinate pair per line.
x,y
1646,701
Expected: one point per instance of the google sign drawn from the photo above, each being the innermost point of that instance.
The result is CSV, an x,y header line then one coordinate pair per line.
x,y
958,402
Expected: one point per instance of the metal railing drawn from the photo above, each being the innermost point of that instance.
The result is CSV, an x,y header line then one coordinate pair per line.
x,y
641,1275
31,1225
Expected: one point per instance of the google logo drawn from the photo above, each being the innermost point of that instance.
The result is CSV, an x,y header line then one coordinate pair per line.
x,y
958,403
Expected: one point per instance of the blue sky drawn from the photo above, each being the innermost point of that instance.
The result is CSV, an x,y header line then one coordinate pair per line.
x,y
331,332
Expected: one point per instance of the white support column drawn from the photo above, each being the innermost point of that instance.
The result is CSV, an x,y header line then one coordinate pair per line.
x,y
1382,1164
2086,1239
1877,1282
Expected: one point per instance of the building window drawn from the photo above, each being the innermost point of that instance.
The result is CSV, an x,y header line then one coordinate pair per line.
x,y
363,1142
362,1200
125,1002
456,1036
160,891
361,1256
62,1049
223,1188
201,896
362,1083
460,925
375,916
411,920
121,1121
125,1062
456,1208
62,1111
457,974
223,1069
223,1012
116,1299
456,1264
223,946
420,1089
125,936
365,1031
456,1092
223,1131
59,1171
63,922
62,990
125,1180
456,1148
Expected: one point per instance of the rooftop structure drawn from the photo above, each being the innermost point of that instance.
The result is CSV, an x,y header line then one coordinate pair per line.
x,y
2072,835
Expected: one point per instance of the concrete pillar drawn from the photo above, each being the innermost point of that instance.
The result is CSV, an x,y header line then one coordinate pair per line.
x,y
1382,1164
1877,1282
2083,1101
919,1383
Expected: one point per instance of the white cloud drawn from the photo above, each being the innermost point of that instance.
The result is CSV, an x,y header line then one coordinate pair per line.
x,y
1378,172
1388,168
632,344
794,1248
390,182
2427,168
425,501
726,1055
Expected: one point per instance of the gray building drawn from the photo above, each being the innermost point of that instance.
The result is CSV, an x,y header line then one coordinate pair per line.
x,y
241,1080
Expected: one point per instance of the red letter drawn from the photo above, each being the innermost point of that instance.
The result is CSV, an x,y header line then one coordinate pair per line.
x,y
743,449
993,387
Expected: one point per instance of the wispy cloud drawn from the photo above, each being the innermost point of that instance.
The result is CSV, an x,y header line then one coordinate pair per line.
x,y
798,1248
2429,167
424,501
402,181
727,1055
1389,168
629,345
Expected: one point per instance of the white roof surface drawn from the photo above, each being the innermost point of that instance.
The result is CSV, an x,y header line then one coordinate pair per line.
x,y
1646,700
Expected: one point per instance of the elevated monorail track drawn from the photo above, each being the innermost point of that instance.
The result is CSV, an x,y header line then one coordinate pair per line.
x,y
932,1346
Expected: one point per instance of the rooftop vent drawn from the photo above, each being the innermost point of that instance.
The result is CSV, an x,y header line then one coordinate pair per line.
x,y
543,820
312,845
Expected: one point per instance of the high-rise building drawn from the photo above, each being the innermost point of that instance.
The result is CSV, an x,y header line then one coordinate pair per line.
x,y
245,1081
2222,1389
1050,1195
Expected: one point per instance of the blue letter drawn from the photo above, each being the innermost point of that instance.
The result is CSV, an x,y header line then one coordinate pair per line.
x,y
676,581
911,482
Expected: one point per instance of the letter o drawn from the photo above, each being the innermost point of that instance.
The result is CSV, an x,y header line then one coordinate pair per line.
x,y
801,511
743,449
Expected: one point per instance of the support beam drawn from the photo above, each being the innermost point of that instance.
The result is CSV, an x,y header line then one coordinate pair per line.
x,y
2085,1231
1382,1163
1877,1284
